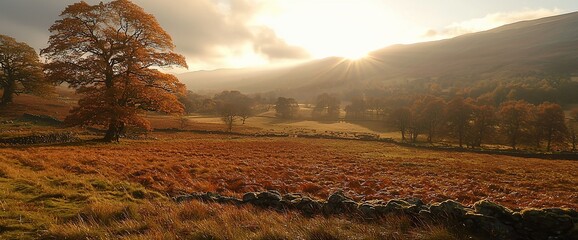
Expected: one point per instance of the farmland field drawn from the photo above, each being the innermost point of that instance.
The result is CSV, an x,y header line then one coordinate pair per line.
x,y
92,190
183,162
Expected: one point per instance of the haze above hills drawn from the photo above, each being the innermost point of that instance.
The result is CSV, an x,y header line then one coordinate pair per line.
x,y
546,46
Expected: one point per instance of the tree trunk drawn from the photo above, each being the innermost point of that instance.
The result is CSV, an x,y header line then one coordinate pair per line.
x,y
114,131
514,143
461,137
513,139
229,121
573,141
430,134
481,133
8,94
548,147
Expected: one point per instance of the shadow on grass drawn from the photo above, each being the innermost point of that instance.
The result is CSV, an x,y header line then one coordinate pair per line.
x,y
81,143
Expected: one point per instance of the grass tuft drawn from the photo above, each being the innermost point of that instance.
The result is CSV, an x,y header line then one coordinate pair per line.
x,y
106,213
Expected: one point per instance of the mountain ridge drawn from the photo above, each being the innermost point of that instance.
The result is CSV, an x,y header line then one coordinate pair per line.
x,y
542,45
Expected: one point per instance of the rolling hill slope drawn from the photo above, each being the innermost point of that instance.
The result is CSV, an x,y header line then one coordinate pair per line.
x,y
547,45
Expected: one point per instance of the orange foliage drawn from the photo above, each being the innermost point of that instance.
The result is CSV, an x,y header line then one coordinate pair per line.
x,y
20,70
366,170
106,52
516,117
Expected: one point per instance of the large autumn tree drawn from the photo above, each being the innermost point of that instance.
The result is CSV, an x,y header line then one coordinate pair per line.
x,y
111,53
20,70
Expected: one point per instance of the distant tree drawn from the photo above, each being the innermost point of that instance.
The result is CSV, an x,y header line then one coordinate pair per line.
x,y
326,106
357,109
192,102
110,53
245,113
401,118
377,106
262,104
550,119
459,114
286,107
572,134
483,123
233,105
20,70
428,112
572,125
184,122
228,114
515,120
494,97
534,133
208,106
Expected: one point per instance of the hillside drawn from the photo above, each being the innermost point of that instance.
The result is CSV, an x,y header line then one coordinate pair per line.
x,y
545,45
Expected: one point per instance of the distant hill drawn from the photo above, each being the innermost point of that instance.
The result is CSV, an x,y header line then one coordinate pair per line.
x,y
547,45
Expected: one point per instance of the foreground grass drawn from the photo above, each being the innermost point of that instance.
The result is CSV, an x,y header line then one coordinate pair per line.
x,y
196,220
57,204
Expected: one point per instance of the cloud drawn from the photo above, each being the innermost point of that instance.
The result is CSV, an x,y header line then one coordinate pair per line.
x,y
207,32
28,20
488,22
268,44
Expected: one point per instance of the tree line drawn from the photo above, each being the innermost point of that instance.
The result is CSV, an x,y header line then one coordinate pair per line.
x,y
234,106
230,106
471,123
467,122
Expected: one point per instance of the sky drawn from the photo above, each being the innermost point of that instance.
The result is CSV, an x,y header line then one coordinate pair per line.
x,y
215,34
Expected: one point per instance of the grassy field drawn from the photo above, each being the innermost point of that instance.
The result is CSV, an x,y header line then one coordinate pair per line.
x,y
182,162
91,190
120,191
266,122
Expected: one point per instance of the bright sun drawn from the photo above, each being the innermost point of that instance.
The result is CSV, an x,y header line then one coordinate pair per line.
x,y
354,56
348,29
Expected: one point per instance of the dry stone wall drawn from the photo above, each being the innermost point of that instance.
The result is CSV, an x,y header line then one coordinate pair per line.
x,y
484,218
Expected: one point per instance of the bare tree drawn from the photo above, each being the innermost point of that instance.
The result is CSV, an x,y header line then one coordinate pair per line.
x,y
232,106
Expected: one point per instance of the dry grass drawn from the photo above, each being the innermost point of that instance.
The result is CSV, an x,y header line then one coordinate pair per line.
x,y
114,191
180,163
155,220
57,105
268,122
63,205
